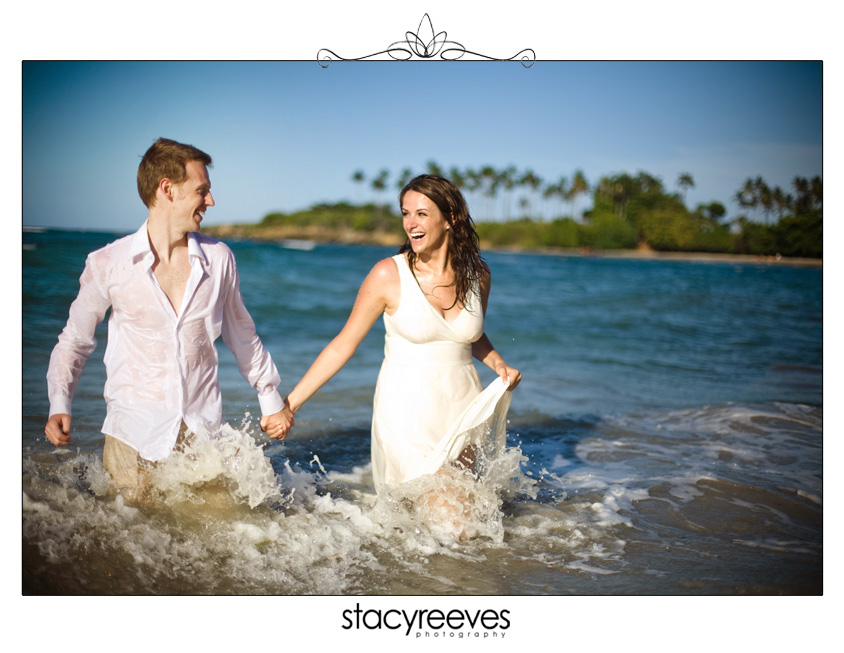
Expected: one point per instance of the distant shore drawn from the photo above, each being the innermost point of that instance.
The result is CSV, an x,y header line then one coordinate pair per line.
x,y
703,257
316,233
320,234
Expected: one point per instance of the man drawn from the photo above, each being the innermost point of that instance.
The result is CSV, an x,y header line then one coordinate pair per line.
x,y
172,291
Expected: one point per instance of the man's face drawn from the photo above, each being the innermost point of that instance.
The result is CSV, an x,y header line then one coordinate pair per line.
x,y
193,196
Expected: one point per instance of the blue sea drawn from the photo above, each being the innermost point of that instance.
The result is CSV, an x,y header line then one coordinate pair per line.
x,y
666,439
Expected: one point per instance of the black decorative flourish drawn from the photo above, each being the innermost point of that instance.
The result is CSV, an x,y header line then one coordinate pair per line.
x,y
425,44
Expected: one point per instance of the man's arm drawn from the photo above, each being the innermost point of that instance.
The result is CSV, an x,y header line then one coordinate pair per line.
x,y
76,343
253,359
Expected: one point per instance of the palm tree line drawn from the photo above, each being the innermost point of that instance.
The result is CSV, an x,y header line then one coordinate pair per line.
x,y
506,193
755,194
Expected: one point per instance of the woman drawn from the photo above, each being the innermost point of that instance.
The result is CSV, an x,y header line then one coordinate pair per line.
x,y
433,296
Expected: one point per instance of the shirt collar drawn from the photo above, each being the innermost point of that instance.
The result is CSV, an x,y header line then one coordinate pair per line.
x,y
141,247
195,248
140,242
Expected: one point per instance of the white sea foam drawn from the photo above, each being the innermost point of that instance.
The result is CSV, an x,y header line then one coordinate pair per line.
x,y
236,515
222,520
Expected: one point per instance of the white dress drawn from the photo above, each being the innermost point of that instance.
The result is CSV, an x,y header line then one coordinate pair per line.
x,y
429,403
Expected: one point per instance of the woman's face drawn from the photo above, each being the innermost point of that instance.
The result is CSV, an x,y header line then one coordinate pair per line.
x,y
425,226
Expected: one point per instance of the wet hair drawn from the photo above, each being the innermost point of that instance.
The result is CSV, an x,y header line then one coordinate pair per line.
x,y
464,254
166,159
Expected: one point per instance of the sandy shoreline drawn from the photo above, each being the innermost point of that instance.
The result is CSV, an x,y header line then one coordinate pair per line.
x,y
351,237
703,257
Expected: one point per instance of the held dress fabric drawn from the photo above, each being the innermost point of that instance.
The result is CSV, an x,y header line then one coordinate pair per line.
x,y
428,394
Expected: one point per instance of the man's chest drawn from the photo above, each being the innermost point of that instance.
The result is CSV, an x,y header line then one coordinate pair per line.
x,y
158,296
173,281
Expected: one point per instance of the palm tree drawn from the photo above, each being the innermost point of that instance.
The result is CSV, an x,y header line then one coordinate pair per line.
x,y
816,192
685,181
781,202
488,187
619,189
801,187
557,191
524,205
532,182
434,169
405,176
507,180
579,186
809,194
816,188
764,197
746,197
457,177
358,177
563,190
379,185
471,181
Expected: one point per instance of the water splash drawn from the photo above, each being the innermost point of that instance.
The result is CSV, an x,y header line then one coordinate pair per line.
x,y
227,518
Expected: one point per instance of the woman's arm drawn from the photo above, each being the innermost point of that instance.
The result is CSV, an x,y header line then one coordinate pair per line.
x,y
378,293
482,348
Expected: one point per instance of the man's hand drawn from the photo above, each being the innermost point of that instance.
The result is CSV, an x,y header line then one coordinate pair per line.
x,y
58,429
278,426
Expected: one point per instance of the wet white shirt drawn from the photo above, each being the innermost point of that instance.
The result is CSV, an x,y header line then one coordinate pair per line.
x,y
161,366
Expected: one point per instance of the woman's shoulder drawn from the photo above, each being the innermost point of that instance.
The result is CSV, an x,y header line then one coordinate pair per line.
x,y
385,271
383,282
388,266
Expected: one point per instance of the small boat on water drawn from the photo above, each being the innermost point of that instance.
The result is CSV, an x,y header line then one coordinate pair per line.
x,y
303,245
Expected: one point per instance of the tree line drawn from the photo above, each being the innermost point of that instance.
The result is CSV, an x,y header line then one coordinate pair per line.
x,y
491,192
519,208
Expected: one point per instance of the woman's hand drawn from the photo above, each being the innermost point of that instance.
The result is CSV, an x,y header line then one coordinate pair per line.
x,y
510,374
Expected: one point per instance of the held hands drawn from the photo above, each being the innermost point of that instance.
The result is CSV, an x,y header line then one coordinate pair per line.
x,y
278,426
58,429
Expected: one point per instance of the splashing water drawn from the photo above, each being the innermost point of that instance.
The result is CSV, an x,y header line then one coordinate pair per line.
x,y
223,520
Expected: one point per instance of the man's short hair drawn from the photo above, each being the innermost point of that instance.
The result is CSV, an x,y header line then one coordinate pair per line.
x,y
166,159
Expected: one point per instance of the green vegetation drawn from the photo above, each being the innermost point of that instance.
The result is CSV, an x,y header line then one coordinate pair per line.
x,y
367,218
518,209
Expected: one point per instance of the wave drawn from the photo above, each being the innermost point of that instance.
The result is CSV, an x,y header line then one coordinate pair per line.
x,y
702,500
226,518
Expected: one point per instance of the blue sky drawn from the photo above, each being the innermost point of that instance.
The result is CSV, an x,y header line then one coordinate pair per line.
x,y
287,134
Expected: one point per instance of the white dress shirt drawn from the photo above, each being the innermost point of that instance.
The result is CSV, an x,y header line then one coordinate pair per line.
x,y
161,366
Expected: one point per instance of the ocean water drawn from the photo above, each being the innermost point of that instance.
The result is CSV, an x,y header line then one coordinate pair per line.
x,y
667,439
